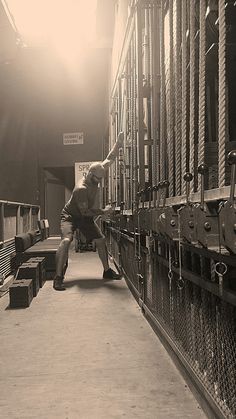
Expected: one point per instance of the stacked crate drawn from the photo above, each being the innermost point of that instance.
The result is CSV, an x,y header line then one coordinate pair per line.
x,y
21,293
30,276
42,268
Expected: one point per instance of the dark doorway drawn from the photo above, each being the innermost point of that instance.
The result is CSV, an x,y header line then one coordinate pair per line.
x,y
58,184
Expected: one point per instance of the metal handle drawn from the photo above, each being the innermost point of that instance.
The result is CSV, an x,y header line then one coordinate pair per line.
x,y
232,161
202,170
165,186
149,189
122,205
188,177
155,189
138,198
159,188
142,197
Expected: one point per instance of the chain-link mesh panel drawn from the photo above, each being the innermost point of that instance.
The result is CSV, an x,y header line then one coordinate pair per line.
x,y
201,325
130,262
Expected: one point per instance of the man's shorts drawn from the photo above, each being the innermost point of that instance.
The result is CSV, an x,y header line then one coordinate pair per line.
x,y
86,225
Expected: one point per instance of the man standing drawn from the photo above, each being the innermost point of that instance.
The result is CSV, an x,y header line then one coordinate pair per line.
x,y
79,212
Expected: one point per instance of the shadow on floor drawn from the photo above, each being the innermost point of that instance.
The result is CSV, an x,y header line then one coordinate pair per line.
x,y
94,283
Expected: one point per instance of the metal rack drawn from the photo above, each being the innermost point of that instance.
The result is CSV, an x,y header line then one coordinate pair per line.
x,y
174,233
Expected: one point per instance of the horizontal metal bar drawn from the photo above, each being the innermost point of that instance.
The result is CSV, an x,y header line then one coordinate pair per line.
x,y
122,234
16,204
228,296
209,196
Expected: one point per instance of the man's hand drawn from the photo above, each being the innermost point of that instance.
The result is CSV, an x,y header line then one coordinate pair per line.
x,y
108,209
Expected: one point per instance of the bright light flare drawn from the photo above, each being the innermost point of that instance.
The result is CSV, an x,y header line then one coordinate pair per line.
x,y
68,26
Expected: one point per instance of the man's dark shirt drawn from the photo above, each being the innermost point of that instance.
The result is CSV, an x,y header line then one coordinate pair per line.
x,y
84,197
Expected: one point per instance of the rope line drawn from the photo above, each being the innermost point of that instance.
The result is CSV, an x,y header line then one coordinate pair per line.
x,y
222,93
184,94
192,90
202,87
163,162
170,115
178,107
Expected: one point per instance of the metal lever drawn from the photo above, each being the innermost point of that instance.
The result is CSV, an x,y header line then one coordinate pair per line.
x,y
149,189
165,186
202,170
138,198
188,177
142,197
232,161
159,188
155,189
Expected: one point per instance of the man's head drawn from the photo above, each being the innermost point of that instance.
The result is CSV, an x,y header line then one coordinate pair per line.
x,y
96,172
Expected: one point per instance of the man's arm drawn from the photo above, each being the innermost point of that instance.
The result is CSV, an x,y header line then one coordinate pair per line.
x,y
82,204
114,151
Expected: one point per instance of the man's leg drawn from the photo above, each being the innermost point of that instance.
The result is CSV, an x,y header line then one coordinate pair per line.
x,y
62,256
92,232
103,255
67,230
102,252
61,262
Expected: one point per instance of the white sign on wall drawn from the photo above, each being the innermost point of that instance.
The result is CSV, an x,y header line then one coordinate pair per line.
x,y
71,138
81,170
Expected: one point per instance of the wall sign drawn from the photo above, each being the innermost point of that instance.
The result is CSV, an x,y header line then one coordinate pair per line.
x,y
81,170
71,138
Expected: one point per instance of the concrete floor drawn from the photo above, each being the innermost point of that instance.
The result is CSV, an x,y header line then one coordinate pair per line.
x,y
87,353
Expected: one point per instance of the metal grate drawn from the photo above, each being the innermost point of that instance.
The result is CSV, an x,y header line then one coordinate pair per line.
x,y
6,258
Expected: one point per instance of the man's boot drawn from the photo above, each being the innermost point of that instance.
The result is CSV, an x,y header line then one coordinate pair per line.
x,y
58,283
110,274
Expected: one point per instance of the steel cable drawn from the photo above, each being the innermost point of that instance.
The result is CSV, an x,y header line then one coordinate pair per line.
x,y
171,168
184,95
178,107
129,126
222,93
156,91
152,94
135,80
132,118
202,87
192,90
163,162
